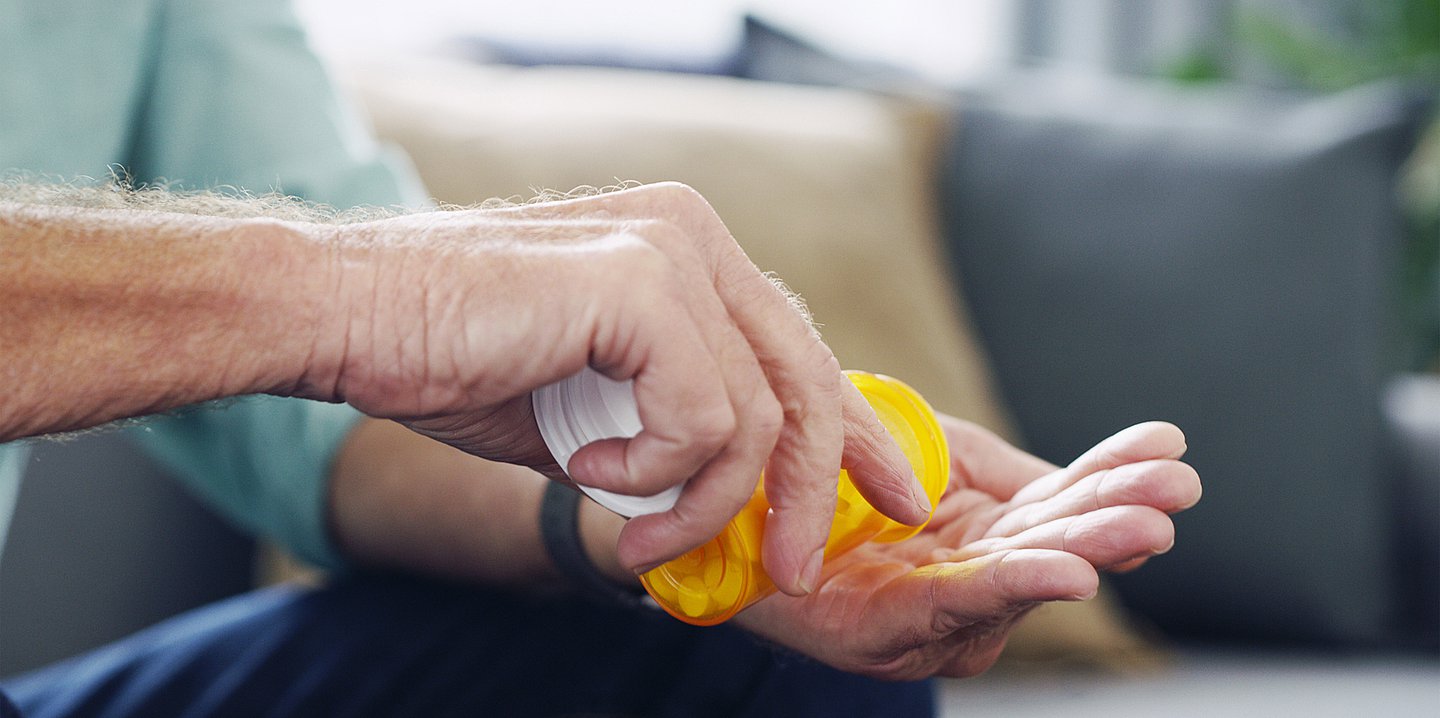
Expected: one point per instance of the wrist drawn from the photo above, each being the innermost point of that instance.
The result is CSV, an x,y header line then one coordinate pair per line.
x,y
374,339
579,555
302,299
599,533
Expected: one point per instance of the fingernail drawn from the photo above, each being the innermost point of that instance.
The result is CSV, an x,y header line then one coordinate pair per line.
x,y
646,568
810,577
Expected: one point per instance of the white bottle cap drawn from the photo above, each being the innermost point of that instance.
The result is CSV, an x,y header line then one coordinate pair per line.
x,y
588,407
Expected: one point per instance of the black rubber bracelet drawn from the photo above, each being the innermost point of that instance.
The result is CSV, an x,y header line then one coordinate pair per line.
x,y
560,529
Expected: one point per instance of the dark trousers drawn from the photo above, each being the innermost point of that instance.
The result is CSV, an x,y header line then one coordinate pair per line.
x,y
387,646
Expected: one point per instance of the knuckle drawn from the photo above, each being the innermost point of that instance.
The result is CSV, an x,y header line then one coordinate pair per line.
x,y
713,428
649,482
767,418
825,367
633,252
675,259
675,191
694,523
624,254
818,390
810,497
644,274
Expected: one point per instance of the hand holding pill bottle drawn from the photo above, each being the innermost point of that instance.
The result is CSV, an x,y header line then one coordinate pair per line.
x,y
715,581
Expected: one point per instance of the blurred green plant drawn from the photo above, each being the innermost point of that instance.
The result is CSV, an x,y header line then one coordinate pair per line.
x,y
1366,41
1363,41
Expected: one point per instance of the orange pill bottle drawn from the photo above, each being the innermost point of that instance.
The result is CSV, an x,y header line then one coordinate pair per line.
x,y
712,583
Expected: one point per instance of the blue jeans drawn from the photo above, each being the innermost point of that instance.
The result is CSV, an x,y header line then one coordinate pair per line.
x,y
391,646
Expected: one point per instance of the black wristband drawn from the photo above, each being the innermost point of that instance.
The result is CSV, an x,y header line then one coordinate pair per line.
x,y
560,530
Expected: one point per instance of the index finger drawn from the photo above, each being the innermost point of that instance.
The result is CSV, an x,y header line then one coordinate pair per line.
x,y
1149,440
685,410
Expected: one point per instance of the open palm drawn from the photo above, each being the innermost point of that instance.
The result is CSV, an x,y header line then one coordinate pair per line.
x,y
1012,531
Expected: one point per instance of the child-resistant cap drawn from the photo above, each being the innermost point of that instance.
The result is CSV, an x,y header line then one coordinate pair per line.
x,y
587,407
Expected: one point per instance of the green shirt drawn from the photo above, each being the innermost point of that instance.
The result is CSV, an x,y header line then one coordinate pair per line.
x,y
199,93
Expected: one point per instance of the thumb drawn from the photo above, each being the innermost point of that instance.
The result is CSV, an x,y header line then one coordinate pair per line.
x,y
935,601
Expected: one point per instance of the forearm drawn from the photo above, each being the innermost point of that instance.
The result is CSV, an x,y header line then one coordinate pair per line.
x,y
107,313
400,500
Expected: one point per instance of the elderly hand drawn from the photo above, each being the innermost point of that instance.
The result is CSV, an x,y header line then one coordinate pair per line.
x,y
453,318
1012,531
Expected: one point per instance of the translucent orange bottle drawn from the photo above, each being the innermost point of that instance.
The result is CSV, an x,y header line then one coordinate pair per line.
x,y
711,583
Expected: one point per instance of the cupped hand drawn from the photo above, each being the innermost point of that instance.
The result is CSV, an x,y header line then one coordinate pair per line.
x,y
1011,532
457,316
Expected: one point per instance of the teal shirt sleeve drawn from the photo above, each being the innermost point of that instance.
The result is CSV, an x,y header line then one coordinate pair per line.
x,y
261,461
234,96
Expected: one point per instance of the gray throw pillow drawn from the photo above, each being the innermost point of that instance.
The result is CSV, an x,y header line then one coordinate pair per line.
x,y
1216,258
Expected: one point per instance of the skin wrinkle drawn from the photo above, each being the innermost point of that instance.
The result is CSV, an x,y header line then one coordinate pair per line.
x,y
1035,515
453,314
1111,487
762,423
1100,484
337,254
424,329
943,623
347,340
1065,539
771,340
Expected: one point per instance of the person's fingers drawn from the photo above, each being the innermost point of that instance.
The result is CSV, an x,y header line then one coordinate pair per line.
x,y
934,601
982,460
649,334
704,507
1107,537
1146,440
714,494
974,510
801,475
801,510
718,489
1164,484
804,376
871,452
803,471
953,618
1150,440
1128,566
794,431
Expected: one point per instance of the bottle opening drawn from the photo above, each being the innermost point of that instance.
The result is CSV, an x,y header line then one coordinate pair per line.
x,y
912,423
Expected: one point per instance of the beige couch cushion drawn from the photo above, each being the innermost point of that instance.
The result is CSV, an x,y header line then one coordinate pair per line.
x,y
829,188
